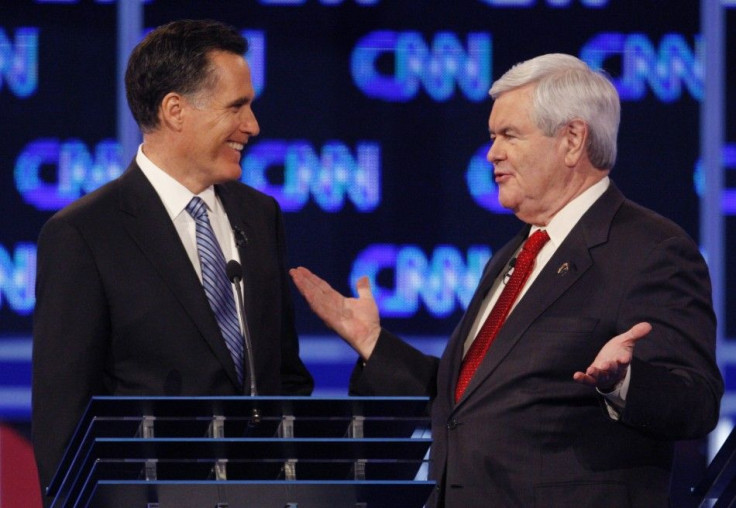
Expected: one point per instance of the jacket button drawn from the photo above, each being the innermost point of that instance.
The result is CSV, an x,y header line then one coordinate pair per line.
x,y
452,424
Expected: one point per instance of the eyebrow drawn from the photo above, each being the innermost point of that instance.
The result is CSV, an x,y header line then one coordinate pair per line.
x,y
502,131
239,102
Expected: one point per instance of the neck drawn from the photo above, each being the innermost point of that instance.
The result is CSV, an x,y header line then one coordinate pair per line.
x,y
572,190
163,154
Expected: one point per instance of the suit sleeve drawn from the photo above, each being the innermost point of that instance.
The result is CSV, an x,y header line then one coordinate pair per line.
x,y
295,378
676,385
395,369
70,332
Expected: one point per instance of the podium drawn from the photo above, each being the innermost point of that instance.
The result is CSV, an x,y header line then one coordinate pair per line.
x,y
228,452
717,488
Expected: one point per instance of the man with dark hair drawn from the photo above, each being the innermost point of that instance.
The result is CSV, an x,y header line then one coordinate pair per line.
x,y
132,292
589,345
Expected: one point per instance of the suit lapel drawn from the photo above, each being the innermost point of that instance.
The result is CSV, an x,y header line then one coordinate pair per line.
x,y
567,265
148,224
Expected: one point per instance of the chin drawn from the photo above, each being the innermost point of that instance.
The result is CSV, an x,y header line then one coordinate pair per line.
x,y
227,176
233,171
505,201
236,175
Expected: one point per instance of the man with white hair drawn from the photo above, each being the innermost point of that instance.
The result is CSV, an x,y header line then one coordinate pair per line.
x,y
588,348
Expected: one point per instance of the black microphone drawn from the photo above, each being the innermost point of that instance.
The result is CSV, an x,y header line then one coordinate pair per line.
x,y
507,275
241,239
235,274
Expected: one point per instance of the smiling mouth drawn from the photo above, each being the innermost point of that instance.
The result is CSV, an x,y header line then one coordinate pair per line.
x,y
236,146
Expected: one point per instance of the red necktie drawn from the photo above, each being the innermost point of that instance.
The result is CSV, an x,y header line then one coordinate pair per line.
x,y
489,330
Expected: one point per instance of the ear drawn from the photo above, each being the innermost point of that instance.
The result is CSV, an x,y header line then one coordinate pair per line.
x,y
171,111
576,141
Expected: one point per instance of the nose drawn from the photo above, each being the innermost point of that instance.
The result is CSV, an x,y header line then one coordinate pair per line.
x,y
493,152
249,123
497,151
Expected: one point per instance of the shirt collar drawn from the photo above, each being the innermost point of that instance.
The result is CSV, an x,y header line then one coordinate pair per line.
x,y
566,219
173,194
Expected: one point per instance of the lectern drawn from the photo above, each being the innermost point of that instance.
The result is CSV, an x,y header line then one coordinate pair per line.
x,y
717,488
228,452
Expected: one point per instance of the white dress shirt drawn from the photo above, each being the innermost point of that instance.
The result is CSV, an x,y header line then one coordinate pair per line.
x,y
176,197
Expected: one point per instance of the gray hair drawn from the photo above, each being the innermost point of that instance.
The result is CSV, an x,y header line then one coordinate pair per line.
x,y
566,88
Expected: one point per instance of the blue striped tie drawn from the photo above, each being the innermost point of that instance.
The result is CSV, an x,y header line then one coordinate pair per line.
x,y
216,284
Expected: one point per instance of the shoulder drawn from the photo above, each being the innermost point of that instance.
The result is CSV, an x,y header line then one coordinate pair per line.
x,y
642,239
103,208
615,222
93,208
644,224
131,185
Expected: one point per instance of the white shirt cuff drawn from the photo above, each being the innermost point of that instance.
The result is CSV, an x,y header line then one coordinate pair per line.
x,y
616,399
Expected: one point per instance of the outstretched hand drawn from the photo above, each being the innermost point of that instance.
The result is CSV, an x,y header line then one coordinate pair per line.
x,y
355,319
609,367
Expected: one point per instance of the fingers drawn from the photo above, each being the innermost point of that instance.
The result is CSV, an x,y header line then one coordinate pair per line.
x,y
605,374
320,296
584,378
303,275
364,288
299,276
636,332
592,377
310,284
598,378
307,282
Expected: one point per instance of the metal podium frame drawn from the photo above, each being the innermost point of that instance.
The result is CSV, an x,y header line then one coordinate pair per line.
x,y
226,452
717,488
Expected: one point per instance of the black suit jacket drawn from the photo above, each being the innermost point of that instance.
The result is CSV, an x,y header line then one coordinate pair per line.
x,y
120,309
524,433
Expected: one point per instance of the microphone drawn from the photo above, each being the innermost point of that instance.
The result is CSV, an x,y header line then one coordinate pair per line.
x,y
235,274
507,275
241,239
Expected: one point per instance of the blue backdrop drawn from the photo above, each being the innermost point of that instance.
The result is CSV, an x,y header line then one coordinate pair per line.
x,y
373,119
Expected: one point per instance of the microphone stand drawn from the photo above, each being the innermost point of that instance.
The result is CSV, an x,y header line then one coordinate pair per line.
x,y
234,273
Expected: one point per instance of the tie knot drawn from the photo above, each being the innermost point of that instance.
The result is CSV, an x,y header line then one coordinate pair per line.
x,y
196,208
535,242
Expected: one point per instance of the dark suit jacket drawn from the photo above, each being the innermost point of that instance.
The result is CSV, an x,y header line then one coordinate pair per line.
x,y
120,309
524,433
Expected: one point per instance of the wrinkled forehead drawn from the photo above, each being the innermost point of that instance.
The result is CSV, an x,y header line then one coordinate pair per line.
x,y
511,107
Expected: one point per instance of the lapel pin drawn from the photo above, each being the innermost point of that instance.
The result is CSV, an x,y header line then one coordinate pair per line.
x,y
563,269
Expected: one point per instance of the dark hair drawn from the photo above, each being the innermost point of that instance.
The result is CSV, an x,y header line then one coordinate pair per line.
x,y
175,58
